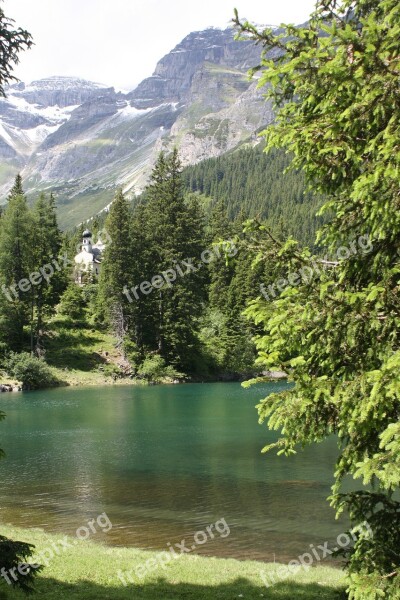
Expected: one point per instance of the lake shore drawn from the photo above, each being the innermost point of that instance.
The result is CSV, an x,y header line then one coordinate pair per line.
x,y
95,378
89,570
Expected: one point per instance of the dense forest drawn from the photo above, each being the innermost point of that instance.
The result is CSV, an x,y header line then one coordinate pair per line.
x,y
172,289
255,184
185,230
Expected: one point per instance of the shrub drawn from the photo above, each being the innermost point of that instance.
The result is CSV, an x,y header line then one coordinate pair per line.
x,y
72,303
111,370
132,353
31,371
4,349
155,369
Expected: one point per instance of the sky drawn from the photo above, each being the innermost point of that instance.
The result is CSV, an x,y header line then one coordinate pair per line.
x,y
119,42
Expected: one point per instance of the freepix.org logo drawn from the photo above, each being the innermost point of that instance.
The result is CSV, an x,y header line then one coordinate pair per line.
x,y
180,269
363,245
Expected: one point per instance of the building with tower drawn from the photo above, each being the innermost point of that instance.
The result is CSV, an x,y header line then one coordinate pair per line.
x,y
88,260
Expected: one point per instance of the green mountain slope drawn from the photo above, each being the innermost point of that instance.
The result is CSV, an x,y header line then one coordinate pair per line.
x,y
256,184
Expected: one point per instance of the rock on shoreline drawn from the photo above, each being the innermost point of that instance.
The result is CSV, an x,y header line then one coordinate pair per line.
x,y
7,387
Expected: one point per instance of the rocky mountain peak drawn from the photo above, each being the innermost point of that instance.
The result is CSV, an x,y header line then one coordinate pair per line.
x,y
174,73
83,139
57,91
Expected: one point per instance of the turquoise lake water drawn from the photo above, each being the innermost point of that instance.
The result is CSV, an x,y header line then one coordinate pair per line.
x,y
163,462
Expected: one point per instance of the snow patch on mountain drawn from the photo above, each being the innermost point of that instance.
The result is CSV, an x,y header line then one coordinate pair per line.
x,y
60,83
129,112
52,113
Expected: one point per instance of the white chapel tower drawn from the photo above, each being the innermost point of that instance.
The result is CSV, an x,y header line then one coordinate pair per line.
x,y
88,260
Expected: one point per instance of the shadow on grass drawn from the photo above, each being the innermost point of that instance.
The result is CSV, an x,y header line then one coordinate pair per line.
x,y
75,358
164,590
71,349
73,336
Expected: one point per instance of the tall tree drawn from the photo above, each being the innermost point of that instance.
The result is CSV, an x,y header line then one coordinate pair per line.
x,y
16,264
17,189
46,249
221,272
117,266
335,84
174,234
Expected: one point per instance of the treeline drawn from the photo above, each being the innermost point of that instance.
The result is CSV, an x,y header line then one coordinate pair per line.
x,y
176,274
252,184
32,274
170,293
255,184
172,287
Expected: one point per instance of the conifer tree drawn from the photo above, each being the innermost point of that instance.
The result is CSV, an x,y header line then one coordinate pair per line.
x,y
174,233
17,189
47,243
16,262
142,329
335,85
221,272
117,267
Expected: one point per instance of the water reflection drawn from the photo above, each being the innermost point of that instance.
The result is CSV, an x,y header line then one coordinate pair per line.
x,y
163,462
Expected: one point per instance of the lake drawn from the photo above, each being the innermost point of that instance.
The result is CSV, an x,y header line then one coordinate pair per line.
x,y
163,462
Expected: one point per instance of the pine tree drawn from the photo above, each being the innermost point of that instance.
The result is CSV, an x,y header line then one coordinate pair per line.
x,y
46,250
17,189
221,272
117,267
174,233
335,85
16,262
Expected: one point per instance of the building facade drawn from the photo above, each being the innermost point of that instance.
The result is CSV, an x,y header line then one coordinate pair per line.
x,y
88,260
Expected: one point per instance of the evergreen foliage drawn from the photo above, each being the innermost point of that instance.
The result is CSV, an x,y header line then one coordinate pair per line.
x,y
47,242
172,232
255,184
117,267
30,282
72,303
338,333
16,263
12,42
154,369
17,189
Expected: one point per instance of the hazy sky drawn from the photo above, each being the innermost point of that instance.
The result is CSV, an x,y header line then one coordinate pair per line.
x,y
118,42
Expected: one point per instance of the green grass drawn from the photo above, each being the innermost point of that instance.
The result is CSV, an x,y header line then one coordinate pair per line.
x,y
79,355
88,571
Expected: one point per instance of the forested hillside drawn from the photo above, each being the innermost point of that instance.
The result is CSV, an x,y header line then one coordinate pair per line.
x,y
171,292
255,184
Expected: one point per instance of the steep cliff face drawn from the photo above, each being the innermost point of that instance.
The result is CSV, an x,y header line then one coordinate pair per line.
x,y
32,114
224,110
82,139
173,76
58,91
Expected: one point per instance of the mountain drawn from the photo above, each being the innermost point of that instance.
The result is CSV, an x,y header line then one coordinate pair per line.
x,y
82,139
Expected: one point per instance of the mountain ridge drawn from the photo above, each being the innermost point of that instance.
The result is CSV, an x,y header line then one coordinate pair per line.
x,y
82,139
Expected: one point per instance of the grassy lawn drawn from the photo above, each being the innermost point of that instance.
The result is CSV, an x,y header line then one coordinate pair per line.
x,y
90,571
81,355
